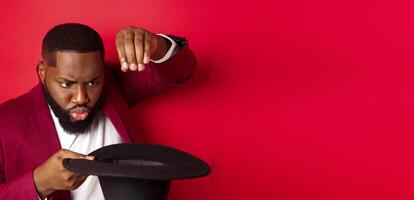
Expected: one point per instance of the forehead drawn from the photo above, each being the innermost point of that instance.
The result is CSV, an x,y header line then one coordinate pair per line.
x,y
79,65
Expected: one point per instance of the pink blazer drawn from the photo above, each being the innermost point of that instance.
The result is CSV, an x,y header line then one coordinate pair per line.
x,y
28,136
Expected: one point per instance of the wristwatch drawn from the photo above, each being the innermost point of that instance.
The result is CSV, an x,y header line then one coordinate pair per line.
x,y
176,43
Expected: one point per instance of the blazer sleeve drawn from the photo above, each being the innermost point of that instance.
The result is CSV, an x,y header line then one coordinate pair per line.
x,y
156,78
22,187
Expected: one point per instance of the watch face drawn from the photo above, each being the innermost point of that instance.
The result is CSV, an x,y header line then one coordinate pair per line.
x,y
179,40
182,42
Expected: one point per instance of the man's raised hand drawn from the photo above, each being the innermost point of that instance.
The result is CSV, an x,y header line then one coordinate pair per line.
x,y
136,46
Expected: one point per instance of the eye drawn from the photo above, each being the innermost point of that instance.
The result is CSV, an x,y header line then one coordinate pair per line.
x,y
93,83
66,84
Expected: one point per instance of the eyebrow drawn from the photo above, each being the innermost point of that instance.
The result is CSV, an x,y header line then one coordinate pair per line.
x,y
72,81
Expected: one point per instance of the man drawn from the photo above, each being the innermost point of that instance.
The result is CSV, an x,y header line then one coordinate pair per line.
x,y
80,105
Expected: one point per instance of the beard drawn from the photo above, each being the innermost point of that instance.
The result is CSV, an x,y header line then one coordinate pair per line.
x,y
65,120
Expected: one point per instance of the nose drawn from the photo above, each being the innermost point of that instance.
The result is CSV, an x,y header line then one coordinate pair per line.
x,y
80,96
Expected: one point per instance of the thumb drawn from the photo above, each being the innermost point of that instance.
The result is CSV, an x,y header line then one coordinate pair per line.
x,y
90,157
81,156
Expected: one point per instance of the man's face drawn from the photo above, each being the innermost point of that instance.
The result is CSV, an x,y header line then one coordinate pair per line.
x,y
74,84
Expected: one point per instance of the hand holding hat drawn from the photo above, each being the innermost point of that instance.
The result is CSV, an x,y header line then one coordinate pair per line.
x,y
51,175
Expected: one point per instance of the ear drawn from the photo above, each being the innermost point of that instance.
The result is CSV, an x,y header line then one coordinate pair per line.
x,y
41,71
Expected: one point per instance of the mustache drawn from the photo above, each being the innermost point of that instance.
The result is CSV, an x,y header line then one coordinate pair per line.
x,y
80,107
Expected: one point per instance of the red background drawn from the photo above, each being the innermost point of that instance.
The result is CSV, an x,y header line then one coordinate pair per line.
x,y
291,100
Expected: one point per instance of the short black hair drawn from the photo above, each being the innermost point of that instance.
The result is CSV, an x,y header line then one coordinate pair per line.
x,y
70,37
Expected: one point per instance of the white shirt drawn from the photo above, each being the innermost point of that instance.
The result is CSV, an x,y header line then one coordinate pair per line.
x,y
101,133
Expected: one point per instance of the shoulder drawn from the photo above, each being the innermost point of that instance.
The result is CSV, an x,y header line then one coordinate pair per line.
x,y
13,106
29,100
19,108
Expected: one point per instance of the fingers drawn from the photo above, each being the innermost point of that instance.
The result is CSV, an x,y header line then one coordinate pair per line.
x,y
90,157
139,49
64,153
52,175
72,180
147,47
121,52
130,51
78,181
134,47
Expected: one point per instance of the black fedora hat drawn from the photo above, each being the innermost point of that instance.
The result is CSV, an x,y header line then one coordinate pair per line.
x,y
138,171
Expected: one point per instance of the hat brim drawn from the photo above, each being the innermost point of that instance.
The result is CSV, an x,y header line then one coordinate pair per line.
x,y
142,161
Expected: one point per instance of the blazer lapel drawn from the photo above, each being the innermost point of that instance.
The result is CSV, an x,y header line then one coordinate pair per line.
x,y
42,123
